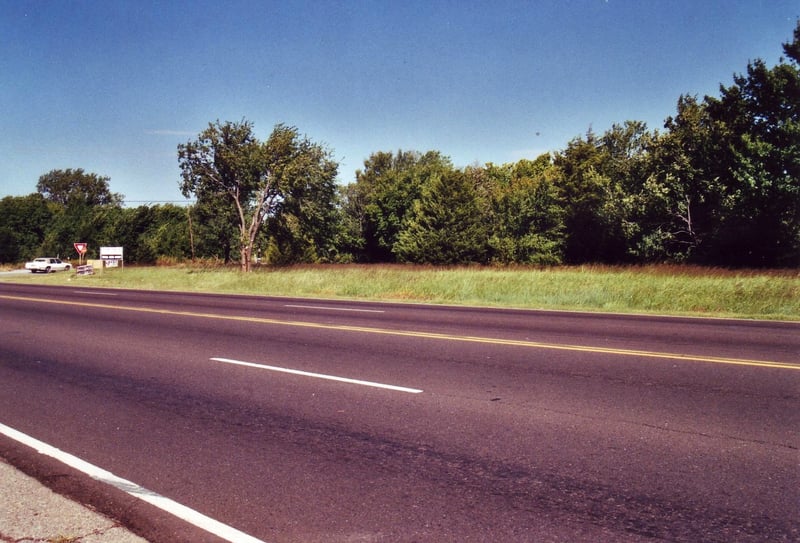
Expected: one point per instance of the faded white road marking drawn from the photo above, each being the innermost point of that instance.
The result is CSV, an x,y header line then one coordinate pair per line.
x,y
187,514
329,308
318,375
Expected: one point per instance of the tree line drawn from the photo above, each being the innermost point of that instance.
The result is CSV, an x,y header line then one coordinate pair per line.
x,y
719,185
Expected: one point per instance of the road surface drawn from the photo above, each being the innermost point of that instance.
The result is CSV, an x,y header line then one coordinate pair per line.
x,y
313,420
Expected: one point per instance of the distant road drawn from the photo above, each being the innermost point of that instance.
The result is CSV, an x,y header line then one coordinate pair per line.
x,y
15,272
318,421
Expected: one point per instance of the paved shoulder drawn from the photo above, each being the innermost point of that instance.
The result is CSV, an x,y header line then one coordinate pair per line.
x,y
31,512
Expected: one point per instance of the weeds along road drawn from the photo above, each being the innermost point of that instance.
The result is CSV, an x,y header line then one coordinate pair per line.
x,y
313,420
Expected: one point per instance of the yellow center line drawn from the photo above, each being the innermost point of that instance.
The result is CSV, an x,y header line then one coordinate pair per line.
x,y
426,335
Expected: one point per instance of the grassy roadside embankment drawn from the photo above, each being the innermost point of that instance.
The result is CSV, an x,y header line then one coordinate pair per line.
x,y
673,290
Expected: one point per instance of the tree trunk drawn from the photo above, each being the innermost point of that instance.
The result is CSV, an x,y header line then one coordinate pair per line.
x,y
245,251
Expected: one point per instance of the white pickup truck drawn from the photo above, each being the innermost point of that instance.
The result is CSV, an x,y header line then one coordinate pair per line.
x,y
47,265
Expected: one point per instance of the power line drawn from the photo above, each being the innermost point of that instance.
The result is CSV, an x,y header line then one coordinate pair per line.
x,y
159,201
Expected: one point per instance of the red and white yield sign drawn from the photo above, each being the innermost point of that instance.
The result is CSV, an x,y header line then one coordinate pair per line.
x,y
81,248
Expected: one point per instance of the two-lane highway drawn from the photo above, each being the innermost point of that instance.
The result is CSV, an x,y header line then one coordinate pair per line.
x,y
316,420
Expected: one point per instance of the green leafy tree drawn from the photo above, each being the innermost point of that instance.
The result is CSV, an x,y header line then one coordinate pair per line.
x,y
82,206
227,160
627,163
147,232
588,195
350,238
526,225
306,231
168,232
9,246
602,186
126,228
760,116
24,221
75,188
685,191
78,222
445,224
724,187
378,204
213,227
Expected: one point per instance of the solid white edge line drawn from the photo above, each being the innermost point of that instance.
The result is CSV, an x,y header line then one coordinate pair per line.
x,y
318,375
187,514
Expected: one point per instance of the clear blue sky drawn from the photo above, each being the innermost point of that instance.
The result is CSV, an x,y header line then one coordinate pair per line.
x,y
114,86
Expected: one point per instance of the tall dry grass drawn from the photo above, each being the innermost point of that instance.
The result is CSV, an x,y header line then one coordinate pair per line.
x,y
668,289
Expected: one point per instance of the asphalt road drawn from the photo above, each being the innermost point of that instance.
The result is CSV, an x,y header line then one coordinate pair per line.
x,y
405,422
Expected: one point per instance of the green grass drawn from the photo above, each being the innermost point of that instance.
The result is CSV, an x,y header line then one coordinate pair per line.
x,y
675,290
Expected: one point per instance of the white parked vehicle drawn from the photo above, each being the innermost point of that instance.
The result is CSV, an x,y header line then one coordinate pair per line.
x,y
47,265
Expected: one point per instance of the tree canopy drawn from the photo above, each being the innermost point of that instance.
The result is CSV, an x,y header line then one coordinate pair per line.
x,y
70,187
719,184
260,179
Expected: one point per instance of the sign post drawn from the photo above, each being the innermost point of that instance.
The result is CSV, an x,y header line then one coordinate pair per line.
x,y
81,248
